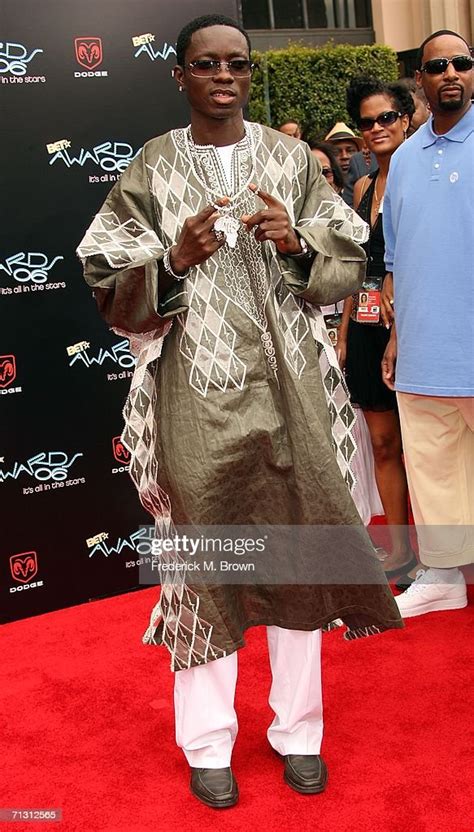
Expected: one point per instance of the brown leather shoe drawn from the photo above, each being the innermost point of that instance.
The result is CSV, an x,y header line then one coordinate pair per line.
x,y
216,787
305,773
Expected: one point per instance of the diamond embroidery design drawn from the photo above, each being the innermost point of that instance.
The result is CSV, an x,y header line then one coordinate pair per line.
x,y
279,169
208,341
121,243
294,327
337,397
208,344
175,619
334,213
176,196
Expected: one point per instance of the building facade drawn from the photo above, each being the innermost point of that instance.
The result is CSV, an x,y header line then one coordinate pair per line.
x,y
402,24
272,24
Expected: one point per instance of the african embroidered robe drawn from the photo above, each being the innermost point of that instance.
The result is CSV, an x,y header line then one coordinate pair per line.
x,y
238,413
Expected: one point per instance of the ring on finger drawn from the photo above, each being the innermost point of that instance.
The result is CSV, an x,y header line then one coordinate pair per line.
x,y
219,235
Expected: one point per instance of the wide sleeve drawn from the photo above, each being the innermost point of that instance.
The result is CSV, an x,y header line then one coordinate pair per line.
x,y
336,233
121,251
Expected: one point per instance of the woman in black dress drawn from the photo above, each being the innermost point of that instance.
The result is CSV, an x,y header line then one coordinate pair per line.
x,y
382,112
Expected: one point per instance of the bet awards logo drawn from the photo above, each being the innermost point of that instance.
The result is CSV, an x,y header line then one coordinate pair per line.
x,y
89,54
31,271
52,465
109,155
23,568
140,541
118,353
14,60
144,47
121,455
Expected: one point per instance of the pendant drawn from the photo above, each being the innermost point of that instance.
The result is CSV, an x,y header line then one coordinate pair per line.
x,y
228,226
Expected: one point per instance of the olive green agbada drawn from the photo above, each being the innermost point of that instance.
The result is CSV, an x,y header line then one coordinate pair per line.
x,y
238,412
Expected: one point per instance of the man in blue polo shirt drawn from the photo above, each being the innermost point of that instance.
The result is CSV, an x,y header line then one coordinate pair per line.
x,y
428,220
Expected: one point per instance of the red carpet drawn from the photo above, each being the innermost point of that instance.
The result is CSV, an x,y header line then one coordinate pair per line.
x,y
87,725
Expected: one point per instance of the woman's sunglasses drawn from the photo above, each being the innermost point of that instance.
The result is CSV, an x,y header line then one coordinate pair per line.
x,y
384,119
327,172
461,63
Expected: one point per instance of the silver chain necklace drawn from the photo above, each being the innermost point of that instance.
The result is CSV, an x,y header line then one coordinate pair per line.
x,y
227,226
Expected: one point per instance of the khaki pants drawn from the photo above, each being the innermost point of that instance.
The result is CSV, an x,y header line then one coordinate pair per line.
x,y
438,445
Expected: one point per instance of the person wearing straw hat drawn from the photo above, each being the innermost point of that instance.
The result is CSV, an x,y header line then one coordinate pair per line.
x,y
346,143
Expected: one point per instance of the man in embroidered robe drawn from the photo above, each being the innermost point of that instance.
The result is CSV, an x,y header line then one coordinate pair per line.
x,y
213,253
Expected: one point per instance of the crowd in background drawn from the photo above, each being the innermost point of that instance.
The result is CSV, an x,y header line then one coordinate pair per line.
x,y
356,167
360,328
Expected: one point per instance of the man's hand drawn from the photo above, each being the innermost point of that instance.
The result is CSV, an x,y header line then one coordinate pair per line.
x,y
197,240
273,223
389,361
386,300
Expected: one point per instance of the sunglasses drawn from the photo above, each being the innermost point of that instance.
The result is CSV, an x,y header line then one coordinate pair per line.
x,y
237,67
461,63
327,172
384,120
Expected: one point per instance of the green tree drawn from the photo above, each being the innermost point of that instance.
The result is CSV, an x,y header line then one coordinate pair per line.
x,y
309,83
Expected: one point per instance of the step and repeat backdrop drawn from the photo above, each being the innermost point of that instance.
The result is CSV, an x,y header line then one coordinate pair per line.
x,y
82,86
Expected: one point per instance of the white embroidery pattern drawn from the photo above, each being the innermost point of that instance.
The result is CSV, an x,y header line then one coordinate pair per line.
x,y
122,243
176,616
176,197
294,327
208,344
240,274
334,213
337,396
208,340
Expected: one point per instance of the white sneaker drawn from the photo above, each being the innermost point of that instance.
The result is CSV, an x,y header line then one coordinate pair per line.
x,y
428,593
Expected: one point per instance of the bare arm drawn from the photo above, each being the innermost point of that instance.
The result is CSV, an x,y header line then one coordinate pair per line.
x,y
386,300
389,360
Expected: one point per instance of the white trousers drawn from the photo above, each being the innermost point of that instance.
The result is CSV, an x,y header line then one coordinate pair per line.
x,y
206,721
